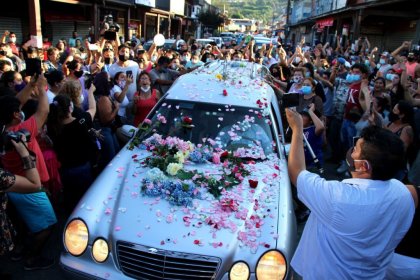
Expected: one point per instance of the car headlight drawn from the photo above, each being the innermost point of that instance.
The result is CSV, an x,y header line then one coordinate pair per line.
x,y
239,271
100,250
76,237
271,265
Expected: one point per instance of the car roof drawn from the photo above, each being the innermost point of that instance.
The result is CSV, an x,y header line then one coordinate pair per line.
x,y
203,85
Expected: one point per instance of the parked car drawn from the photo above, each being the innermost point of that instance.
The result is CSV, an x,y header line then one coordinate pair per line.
x,y
168,44
204,42
227,41
259,41
226,34
200,192
218,40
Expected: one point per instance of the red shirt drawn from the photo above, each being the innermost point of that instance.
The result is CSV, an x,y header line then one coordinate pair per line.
x,y
11,160
353,103
144,106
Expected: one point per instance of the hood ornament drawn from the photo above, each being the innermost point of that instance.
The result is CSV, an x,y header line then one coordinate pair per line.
x,y
153,250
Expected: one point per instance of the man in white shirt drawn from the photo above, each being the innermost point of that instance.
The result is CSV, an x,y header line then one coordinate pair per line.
x,y
127,66
354,225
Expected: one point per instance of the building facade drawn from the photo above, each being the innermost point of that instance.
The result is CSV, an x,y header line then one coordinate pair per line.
x,y
386,23
57,19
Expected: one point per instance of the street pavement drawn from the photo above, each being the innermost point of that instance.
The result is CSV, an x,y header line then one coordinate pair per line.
x,y
55,246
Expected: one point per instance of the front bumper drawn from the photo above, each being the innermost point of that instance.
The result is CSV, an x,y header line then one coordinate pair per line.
x,y
84,267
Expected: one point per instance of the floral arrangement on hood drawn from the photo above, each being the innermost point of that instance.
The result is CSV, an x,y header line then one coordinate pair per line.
x,y
171,153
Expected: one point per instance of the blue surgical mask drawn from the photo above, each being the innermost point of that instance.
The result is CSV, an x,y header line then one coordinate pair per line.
x,y
382,61
389,76
307,74
367,62
306,90
349,78
356,77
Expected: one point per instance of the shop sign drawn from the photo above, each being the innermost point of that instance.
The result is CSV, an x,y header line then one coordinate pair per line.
x,y
325,22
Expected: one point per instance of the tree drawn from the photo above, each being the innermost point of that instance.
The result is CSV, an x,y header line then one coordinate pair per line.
x,y
211,19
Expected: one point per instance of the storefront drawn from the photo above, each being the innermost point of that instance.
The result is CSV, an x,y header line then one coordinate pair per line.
x,y
14,19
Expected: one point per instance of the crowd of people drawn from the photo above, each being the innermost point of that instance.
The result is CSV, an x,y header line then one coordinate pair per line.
x,y
74,99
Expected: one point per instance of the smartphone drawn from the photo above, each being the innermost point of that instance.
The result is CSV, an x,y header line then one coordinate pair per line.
x,y
355,138
291,100
110,35
129,73
371,107
33,66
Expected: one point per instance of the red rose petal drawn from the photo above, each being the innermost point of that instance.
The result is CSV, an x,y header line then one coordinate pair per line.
x,y
253,183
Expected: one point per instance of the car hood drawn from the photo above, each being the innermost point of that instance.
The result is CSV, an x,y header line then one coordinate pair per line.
x,y
115,208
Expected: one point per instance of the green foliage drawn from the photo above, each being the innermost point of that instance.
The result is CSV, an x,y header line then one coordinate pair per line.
x,y
250,9
210,19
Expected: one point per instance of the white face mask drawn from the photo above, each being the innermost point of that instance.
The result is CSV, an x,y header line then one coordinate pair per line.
x,y
81,98
121,84
154,57
83,56
22,116
145,88
174,66
13,39
186,58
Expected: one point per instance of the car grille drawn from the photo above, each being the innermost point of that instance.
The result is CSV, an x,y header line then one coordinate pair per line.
x,y
143,262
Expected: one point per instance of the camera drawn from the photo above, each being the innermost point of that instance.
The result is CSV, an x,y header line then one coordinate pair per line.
x,y
7,136
112,26
88,80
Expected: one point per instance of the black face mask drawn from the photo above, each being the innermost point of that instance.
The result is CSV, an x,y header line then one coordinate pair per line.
x,y
122,57
78,74
2,52
107,60
410,59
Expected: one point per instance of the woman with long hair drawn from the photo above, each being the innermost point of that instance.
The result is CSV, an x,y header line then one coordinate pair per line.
x,y
107,117
73,145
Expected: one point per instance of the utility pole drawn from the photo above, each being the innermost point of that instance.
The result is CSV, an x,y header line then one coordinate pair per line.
x,y
287,20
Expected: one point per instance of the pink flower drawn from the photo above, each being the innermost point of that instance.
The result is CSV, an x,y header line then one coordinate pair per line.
x,y
216,158
147,121
162,119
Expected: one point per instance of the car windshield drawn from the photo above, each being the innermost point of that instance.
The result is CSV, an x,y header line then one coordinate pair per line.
x,y
230,127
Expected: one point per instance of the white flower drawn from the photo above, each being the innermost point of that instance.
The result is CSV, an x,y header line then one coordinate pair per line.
x,y
173,168
155,174
179,156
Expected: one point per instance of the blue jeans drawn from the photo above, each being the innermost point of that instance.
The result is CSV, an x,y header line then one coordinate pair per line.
x,y
348,131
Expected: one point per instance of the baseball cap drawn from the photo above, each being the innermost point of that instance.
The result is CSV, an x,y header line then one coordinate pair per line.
x,y
341,60
385,54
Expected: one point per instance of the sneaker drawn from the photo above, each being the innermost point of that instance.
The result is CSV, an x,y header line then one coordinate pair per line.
x,y
343,167
41,263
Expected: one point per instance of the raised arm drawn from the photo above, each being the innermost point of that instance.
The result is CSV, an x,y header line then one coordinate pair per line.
x,y
319,125
296,162
43,109
92,102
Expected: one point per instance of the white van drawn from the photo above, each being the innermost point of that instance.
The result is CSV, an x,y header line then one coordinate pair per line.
x,y
200,192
